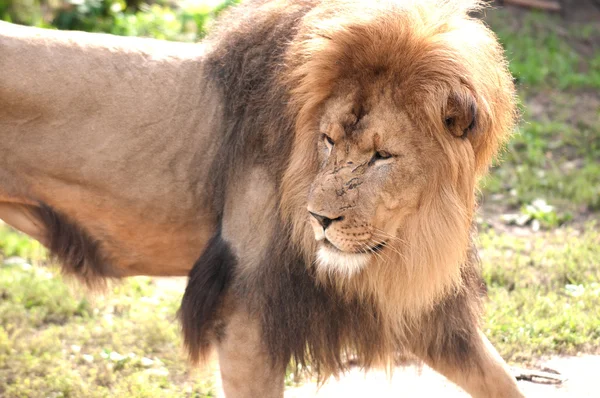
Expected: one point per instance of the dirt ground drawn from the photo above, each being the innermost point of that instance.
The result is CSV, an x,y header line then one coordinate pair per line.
x,y
581,373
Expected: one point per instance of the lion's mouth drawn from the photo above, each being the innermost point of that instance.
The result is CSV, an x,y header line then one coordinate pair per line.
x,y
366,250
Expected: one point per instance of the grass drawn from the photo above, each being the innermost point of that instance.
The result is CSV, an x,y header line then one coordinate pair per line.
x,y
544,292
57,341
541,53
554,160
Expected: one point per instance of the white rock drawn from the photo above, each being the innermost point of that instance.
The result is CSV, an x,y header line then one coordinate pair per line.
x,y
14,261
88,358
116,357
162,372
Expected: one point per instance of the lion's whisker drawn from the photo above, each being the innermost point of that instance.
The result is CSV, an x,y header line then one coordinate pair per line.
x,y
390,246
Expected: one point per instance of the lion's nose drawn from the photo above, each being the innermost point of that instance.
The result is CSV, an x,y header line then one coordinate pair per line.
x,y
324,220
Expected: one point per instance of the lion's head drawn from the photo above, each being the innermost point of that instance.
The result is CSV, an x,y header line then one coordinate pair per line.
x,y
394,128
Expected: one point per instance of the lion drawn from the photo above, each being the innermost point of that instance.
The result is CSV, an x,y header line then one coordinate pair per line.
x,y
311,166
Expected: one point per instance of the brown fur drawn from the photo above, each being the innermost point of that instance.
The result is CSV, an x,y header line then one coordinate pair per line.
x,y
114,134
418,79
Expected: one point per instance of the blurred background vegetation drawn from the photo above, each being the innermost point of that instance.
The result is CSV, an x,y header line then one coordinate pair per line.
x,y
539,222
185,20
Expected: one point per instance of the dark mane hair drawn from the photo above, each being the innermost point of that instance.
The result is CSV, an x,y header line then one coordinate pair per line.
x,y
247,61
208,281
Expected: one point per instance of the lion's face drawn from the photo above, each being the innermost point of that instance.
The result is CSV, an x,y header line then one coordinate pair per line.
x,y
376,168
370,177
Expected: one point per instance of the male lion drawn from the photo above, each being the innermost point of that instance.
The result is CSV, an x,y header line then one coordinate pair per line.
x,y
321,155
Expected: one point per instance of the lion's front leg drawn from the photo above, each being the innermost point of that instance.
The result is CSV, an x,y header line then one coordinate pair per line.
x,y
246,369
450,341
484,374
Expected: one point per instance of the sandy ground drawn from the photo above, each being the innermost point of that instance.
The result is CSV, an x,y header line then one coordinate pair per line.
x,y
581,373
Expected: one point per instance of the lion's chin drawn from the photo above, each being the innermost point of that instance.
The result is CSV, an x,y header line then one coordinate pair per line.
x,y
332,260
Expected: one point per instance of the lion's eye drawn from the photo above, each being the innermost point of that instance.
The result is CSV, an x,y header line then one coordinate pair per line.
x,y
328,142
381,155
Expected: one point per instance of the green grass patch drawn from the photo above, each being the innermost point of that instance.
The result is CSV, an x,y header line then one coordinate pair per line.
x,y
13,243
554,155
58,341
544,292
542,55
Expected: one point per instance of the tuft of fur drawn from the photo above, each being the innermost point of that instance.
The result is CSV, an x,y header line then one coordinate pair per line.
x,y
276,64
78,253
208,280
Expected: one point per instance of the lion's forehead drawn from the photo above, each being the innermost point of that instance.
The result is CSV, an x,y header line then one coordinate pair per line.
x,y
366,123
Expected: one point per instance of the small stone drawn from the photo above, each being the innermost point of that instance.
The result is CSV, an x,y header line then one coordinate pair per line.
x,y
541,205
162,372
88,358
523,219
116,357
14,261
17,261
75,348
510,218
147,362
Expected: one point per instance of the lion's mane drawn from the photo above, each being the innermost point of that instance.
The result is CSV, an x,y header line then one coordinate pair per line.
x,y
276,63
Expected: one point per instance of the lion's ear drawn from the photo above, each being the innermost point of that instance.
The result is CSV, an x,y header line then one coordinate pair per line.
x,y
460,114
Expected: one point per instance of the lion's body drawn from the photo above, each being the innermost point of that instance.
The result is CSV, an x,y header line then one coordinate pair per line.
x,y
322,156
115,135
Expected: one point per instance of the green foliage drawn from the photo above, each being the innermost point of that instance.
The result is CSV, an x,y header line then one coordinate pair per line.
x,y
13,243
181,21
541,56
